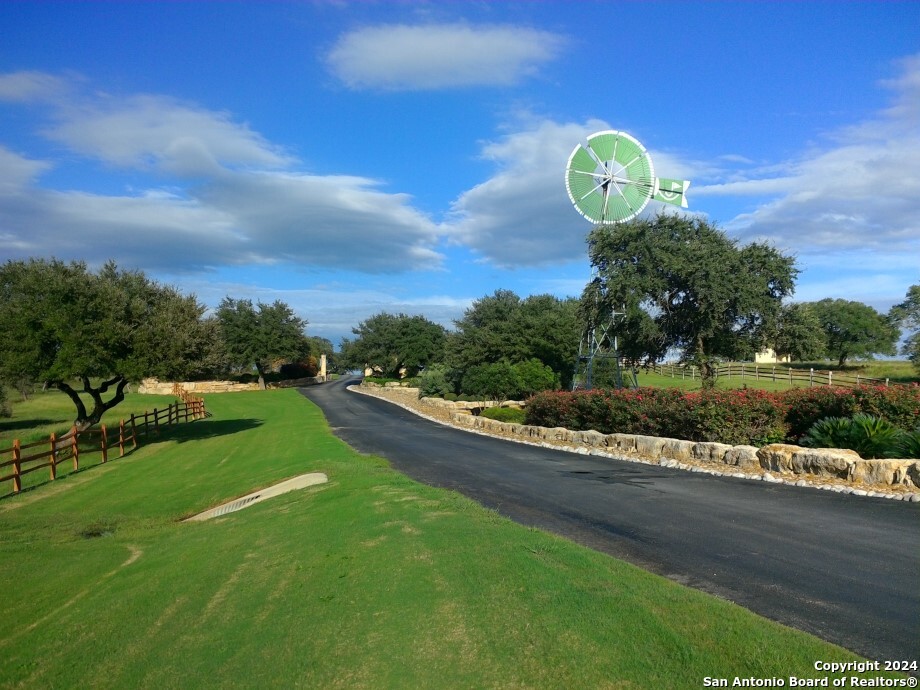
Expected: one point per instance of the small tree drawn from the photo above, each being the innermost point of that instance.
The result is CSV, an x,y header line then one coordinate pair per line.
x,y
434,382
59,322
685,285
533,376
907,315
254,336
854,329
5,410
496,381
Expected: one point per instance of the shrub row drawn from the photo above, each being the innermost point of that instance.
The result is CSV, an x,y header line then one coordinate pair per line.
x,y
737,417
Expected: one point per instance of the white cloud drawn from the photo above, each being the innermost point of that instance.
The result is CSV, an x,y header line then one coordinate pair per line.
x,y
437,56
225,202
162,133
16,171
31,86
324,220
859,191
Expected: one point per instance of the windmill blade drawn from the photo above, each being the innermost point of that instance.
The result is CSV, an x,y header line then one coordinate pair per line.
x,y
604,144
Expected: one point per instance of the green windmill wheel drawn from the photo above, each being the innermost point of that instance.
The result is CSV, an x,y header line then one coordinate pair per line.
x,y
612,179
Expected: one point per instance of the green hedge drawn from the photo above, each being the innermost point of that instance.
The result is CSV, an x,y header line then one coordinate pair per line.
x,y
745,416
504,414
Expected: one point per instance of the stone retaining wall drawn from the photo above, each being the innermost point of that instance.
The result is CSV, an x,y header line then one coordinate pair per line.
x,y
778,458
155,387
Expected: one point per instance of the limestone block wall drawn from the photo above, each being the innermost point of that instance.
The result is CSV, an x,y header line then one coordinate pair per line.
x,y
776,462
776,459
156,387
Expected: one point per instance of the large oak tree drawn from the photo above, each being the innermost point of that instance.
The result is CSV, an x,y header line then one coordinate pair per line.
x,y
256,335
686,286
394,343
60,324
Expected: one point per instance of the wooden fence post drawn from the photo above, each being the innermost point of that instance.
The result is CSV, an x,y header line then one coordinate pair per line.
x,y
53,456
811,377
146,423
75,447
17,457
105,449
121,438
133,433
156,421
830,377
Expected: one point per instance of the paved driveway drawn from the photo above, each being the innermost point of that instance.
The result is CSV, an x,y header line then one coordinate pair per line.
x,y
844,568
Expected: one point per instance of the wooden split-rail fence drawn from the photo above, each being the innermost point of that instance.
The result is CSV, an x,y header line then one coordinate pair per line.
x,y
761,372
24,458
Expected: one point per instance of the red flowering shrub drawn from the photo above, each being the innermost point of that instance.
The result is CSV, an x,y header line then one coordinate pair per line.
x,y
899,405
738,417
744,416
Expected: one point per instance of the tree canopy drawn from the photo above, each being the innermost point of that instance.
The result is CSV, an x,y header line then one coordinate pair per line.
x,y
395,343
60,322
907,315
255,336
799,334
854,329
504,327
685,285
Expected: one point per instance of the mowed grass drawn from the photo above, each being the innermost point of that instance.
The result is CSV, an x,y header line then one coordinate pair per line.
x,y
369,581
47,412
896,371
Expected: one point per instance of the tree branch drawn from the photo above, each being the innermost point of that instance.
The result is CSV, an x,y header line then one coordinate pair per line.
x,y
73,395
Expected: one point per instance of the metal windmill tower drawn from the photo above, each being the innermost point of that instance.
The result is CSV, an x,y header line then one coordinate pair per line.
x,y
611,181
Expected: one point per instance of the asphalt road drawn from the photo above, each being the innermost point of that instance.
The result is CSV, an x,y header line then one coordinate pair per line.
x,y
844,568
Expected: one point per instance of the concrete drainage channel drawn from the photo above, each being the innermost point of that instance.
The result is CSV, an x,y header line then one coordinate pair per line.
x,y
301,482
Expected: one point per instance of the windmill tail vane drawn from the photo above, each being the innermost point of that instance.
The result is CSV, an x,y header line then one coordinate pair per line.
x,y
671,191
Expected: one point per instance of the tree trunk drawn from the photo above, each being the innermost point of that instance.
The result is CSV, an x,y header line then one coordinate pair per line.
x,y
261,371
707,371
86,420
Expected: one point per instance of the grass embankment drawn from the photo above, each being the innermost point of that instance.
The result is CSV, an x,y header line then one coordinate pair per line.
x,y
371,580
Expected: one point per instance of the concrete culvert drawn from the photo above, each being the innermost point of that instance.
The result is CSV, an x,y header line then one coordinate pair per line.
x,y
301,482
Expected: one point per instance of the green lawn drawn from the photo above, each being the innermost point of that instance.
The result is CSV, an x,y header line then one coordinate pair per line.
x,y
896,371
52,411
369,581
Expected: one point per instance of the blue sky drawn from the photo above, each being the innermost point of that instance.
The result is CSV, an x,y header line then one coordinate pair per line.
x,y
357,157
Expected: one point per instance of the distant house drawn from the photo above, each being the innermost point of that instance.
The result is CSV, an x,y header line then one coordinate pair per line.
x,y
768,356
